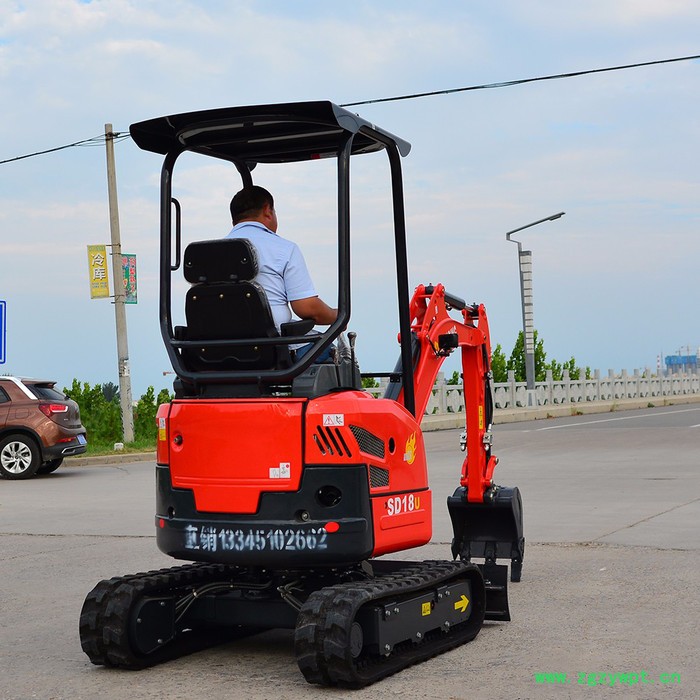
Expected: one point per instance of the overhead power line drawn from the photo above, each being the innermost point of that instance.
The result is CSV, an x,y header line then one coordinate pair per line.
x,y
117,136
522,81
94,141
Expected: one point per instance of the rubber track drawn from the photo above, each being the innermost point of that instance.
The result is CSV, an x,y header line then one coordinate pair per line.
x,y
322,638
106,614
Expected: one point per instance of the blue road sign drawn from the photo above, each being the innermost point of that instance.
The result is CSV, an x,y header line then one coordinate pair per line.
x,y
3,317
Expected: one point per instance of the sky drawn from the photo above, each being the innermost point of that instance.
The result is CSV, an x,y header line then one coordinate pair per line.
x,y
615,280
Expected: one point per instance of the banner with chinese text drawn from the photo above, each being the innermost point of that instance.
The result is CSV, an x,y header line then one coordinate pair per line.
x,y
99,277
129,267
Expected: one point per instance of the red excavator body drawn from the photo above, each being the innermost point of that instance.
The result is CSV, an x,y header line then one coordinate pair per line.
x,y
282,479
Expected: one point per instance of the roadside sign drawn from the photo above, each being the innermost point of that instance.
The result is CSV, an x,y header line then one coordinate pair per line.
x,y
3,334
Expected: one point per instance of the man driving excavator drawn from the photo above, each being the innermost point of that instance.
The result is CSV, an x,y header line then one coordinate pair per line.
x,y
282,270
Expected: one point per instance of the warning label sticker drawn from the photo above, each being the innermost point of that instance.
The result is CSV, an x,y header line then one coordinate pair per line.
x,y
284,471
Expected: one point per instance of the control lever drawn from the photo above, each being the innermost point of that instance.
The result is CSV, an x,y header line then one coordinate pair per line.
x,y
351,338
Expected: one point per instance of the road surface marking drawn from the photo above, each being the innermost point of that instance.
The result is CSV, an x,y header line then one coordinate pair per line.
x,y
609,420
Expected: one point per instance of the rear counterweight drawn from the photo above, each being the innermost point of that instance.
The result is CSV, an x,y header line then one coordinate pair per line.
x,y
300,528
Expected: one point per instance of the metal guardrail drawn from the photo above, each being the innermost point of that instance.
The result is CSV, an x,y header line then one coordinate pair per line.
x,y
449,398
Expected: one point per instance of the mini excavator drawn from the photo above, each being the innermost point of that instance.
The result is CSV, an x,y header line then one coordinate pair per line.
x,y
281,481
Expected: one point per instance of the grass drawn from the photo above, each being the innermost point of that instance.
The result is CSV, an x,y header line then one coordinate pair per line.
x,y
97,449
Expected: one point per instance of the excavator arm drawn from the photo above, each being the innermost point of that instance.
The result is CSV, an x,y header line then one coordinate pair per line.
x,y
486,518
437,334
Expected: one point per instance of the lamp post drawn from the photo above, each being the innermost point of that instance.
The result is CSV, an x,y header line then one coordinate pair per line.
x,y
525,265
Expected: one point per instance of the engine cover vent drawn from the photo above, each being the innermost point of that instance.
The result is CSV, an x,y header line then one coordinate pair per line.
x,y
331,441
370,444
378,477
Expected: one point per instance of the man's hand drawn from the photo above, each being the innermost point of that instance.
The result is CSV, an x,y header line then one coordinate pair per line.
x,y
314,308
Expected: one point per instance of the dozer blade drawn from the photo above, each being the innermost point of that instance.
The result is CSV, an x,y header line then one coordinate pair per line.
x,y
492,529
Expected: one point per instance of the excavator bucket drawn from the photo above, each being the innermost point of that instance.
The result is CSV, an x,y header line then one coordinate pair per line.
x,y
492,530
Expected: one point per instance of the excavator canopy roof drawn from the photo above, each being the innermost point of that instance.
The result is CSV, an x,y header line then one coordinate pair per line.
x,y
275,133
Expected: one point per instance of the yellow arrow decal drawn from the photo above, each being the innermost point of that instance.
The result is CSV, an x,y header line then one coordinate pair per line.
x,y
462,603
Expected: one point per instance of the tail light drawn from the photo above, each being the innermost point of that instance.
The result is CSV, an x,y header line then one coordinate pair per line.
x,y
49,409
162,445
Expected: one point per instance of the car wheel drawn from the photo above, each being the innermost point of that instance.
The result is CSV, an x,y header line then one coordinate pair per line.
x,y
19,457
51,466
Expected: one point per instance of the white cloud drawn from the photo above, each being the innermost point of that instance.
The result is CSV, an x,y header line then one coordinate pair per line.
x,y
605,15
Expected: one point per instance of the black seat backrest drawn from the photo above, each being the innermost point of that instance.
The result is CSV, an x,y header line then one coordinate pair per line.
x,y
225,303
220,260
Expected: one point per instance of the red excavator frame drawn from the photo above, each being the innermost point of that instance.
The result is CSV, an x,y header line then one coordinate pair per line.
x,y
282,479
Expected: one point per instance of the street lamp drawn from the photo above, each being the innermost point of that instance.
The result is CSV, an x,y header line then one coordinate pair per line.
x,y
525,264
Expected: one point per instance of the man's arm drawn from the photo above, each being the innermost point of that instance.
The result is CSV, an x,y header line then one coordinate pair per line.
x,y
314,308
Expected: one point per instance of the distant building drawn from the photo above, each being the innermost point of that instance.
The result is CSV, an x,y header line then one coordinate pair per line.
x,y
681,363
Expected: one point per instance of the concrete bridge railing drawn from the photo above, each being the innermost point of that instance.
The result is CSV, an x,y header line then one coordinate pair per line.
x,y
449,398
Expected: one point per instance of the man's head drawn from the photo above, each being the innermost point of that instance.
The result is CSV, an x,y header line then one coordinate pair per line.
x,y
254,203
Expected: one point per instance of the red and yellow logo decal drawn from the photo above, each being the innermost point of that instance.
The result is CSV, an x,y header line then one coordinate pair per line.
x,y
409,454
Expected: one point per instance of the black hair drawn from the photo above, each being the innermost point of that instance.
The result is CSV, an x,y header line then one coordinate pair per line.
x,y
249,201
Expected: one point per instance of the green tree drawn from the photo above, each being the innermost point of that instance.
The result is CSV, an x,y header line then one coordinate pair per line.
x,y
499,365
574,370
456,378
145,429
145,416
557,370
101,418
110,391
516,362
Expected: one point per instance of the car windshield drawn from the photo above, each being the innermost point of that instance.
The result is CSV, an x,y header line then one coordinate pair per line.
x,y
45,391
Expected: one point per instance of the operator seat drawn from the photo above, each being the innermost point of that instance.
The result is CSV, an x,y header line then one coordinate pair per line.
x,y
225,303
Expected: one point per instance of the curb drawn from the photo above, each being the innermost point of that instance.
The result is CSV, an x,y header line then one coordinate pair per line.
x,y
108,460
452,421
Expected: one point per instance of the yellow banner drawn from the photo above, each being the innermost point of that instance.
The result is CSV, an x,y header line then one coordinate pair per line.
x,y
99,277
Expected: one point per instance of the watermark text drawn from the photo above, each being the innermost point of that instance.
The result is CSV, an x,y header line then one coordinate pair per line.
x,y
608,678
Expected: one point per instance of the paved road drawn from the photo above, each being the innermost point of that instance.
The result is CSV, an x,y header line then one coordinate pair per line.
x,y
630,478
612,505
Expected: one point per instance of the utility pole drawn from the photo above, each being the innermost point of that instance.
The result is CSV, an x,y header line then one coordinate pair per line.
x,y
119,296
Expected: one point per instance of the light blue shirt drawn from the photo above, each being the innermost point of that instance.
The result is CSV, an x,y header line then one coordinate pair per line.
x,y
282,271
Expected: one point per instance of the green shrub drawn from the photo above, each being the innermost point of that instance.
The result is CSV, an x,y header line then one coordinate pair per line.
x,y
102,416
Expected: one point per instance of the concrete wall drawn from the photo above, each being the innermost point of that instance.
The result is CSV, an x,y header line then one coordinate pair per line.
x,y
641,388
